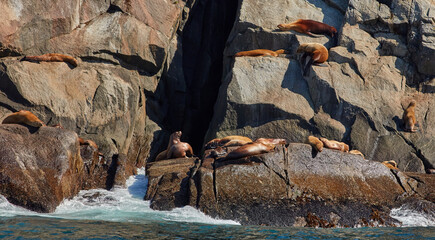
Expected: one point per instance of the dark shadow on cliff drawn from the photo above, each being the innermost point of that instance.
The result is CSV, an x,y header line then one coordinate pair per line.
x,y
295,82
189,87
9,89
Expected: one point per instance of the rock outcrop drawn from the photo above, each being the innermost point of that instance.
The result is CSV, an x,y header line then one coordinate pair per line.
x,y
292,186
378,64
42,166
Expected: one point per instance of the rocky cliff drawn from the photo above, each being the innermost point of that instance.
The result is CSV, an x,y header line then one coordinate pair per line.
x,y
148,68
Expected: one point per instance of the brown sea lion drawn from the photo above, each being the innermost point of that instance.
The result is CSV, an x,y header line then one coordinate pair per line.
x,y
228,141
173,139
88,142
316,52
260,53
23,117
52,57
315,143
308,27
271,141
390,164
332,144
356,152
218,152
180,150
250,149
409,117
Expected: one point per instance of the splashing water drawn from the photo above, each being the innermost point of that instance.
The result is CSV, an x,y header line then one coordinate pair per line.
x,y
117,205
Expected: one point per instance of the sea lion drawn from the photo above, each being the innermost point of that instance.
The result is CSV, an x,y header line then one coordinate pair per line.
x,y
52,57
228,141
218,152
356,152
180,150
315,143
260,53
23,117
271,141
409,117
173,139
390,164
332,144
316,52
308,27
250,149
88,142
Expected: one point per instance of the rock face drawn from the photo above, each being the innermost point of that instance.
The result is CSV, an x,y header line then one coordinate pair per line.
x,y
292,186
378,64
121,47
148,68
41,167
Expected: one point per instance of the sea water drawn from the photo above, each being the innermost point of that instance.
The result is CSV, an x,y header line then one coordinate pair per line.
x,y
123,214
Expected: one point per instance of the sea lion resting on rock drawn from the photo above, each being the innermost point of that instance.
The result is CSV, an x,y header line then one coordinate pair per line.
x,y
23,117
176,148
356,152
261,145
250,149
332,144
52,57
390,164
409,117
308,27
315,143
271,141
228,141
316,52
260,53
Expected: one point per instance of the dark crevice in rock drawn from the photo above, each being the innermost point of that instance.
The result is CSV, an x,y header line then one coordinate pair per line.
x,y
203,41
111,172
214,182
132,62
113,9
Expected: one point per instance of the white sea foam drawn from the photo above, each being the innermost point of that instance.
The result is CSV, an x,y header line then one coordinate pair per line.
x,y
119,205
413,218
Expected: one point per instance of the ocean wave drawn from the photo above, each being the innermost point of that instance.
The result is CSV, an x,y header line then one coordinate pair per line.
x,y
117,205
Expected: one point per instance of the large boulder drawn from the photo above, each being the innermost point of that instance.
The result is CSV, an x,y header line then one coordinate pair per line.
x,y
291,186
39,167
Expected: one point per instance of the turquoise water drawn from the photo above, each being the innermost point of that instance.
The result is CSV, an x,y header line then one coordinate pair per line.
x,y
122,214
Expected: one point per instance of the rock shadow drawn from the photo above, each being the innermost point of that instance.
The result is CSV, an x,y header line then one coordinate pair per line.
x,y
295,82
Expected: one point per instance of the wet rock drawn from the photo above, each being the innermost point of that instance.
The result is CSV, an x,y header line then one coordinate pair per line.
x,y
168,182
39,167
283,187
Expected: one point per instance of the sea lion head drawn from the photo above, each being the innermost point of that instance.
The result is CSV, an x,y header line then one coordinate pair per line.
x,y
412,103
177,134
332,31
392,162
